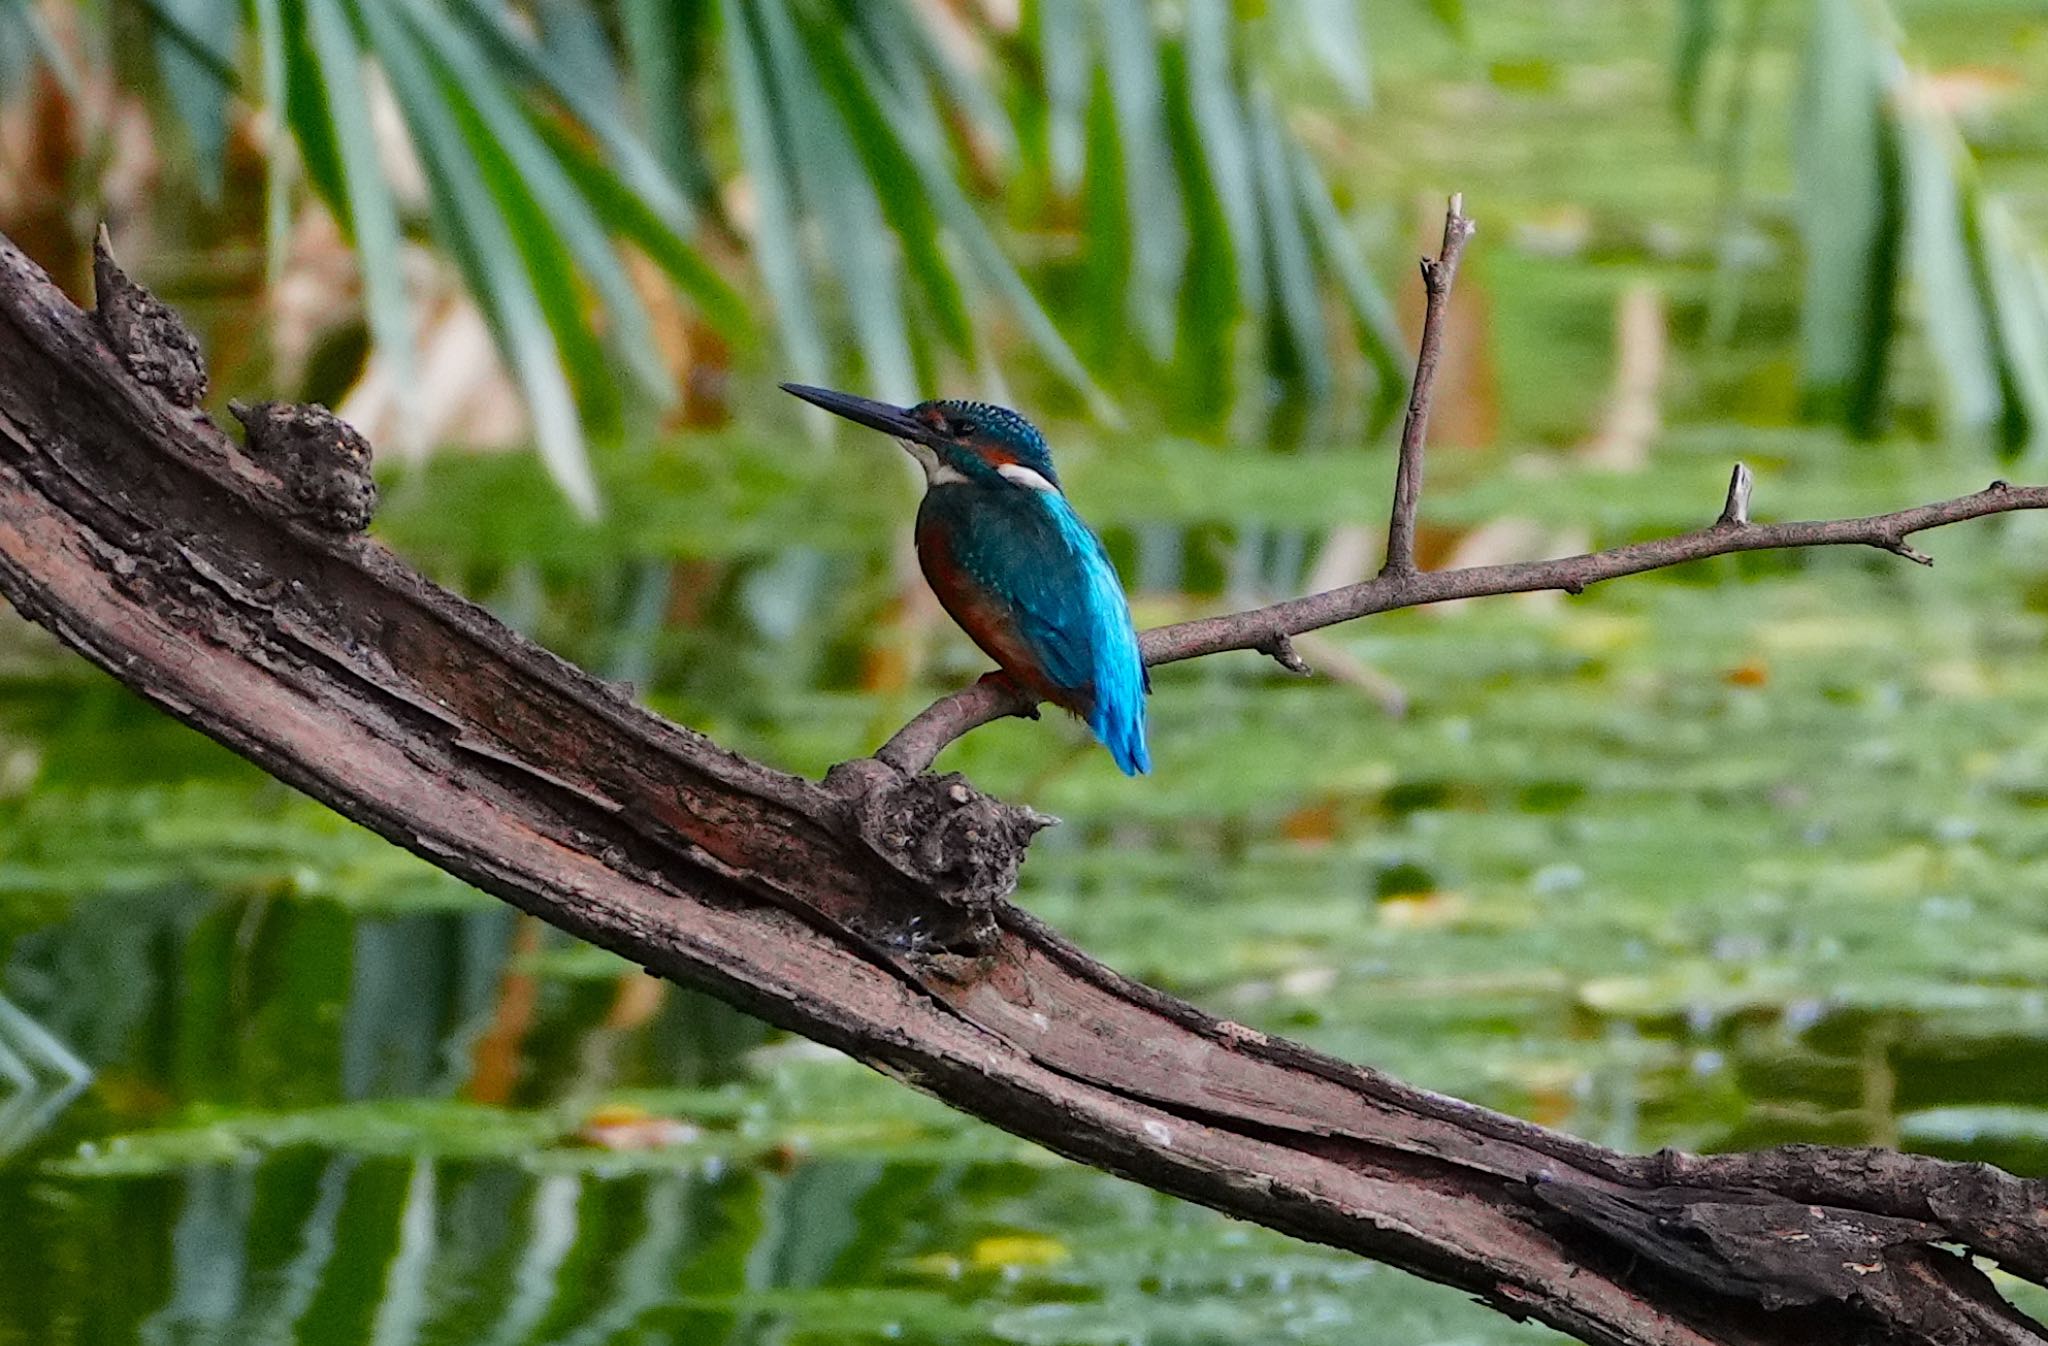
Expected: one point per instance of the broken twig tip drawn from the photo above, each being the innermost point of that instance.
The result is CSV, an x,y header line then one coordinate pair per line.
x,y
1735,510
1911,553
1282,652
1458,226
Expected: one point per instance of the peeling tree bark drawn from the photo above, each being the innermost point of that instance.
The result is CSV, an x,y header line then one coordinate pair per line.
x,y
868,911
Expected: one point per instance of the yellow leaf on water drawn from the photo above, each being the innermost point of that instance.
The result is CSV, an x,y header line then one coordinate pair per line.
x,y
1017,1250
1422,911
1754,673
1594,632
626,1128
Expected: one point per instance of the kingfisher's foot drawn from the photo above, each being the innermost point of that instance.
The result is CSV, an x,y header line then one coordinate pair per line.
x,y
1010,687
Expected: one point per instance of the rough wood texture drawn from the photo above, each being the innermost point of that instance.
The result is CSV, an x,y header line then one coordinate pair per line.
x,y
868,911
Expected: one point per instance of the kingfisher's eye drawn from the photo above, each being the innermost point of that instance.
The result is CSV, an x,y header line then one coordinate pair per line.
x,y
959,429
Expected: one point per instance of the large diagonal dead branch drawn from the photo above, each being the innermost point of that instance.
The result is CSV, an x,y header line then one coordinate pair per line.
x,y
868,912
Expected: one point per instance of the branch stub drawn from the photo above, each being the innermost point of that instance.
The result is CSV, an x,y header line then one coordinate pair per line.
x,y
146,335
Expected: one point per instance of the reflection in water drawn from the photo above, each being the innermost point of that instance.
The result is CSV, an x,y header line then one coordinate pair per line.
x,y
337,1099
646,1276
732,1258
550,1236
388,1047
402,1310
209,1267
39,1076
277,1323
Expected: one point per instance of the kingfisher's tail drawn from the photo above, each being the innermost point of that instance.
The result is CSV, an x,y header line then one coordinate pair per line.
x,y
1128,749
1119,721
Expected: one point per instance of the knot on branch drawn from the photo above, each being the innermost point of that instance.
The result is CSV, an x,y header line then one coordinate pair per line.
x,y
949,839
1761,1248
322,462
1280,649
151,341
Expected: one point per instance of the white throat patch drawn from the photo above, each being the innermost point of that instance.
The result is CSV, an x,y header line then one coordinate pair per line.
x,y
937,471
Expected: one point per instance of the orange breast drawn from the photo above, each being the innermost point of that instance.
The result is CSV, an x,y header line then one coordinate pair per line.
x,y
986,620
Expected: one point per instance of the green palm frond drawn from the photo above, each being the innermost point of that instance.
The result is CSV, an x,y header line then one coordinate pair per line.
x,y
1174,141
889,159
1899,232
195,42
534,179
1851,217
27,44
330,104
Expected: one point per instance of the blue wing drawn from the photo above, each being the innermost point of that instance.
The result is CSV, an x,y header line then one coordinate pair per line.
x,y
1030,557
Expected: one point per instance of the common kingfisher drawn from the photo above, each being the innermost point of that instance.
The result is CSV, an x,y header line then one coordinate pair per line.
x,y
1013,564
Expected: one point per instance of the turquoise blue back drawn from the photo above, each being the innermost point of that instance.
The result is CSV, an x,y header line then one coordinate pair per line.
x,y
1003,556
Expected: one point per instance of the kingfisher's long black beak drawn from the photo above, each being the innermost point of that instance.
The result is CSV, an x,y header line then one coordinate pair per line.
x,y
864,411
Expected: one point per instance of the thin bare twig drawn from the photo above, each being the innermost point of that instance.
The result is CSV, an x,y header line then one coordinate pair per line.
x,y
1437,275
917,743
1401,585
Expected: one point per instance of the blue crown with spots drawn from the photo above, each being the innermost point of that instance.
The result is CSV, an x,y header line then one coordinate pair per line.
x,y
985,424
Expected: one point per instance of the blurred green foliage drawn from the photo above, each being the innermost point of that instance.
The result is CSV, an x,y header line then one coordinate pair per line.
x,y
863,153
1141,195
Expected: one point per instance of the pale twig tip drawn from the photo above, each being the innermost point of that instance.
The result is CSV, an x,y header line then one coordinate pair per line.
x,y
1735,510
1281,650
